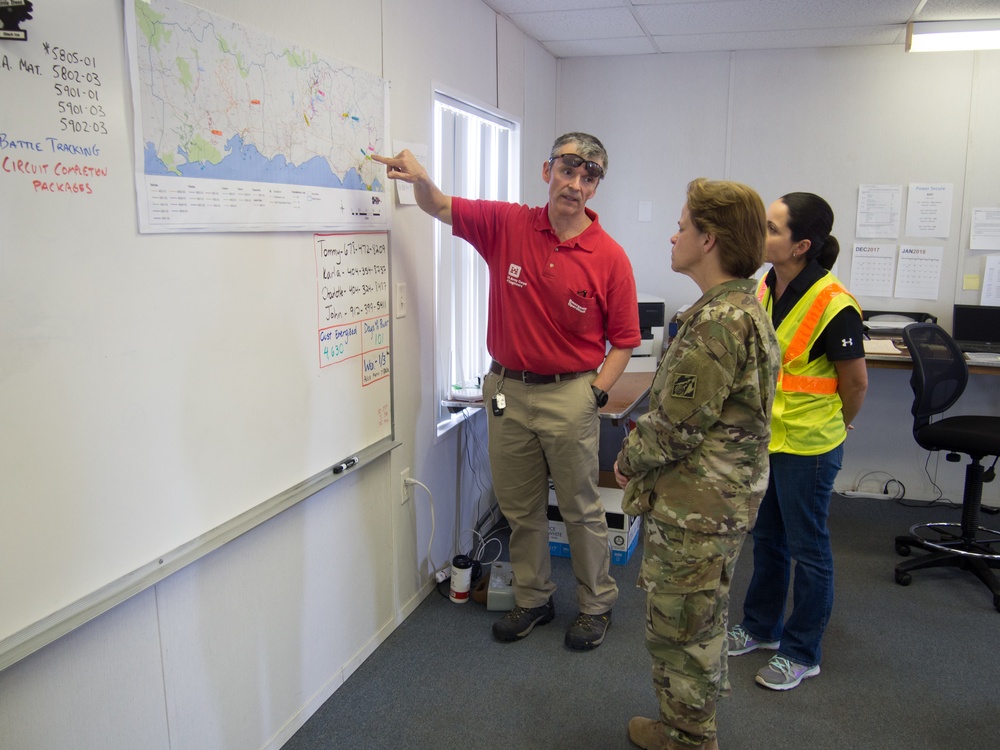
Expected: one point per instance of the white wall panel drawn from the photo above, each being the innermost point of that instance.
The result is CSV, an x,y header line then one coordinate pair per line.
x,y
663,120
982,185
829,120
264,623
539,126
98,688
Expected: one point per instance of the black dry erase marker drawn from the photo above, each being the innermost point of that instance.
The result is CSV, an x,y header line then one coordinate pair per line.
x,y
352,461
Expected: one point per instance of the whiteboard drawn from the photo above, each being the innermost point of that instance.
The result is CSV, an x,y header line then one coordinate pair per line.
x,y
159,394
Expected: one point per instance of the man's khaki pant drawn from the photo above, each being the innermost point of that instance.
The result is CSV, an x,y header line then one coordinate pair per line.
x,y
550,430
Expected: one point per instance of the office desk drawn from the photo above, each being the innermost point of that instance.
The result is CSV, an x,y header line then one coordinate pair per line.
x,y
626,395
903,362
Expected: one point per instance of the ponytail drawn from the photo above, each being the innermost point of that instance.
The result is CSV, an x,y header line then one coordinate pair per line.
x,y
811,218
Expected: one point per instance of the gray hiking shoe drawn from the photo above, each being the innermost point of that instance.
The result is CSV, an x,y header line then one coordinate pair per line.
x,y
519,621
741,642
784,674
587,632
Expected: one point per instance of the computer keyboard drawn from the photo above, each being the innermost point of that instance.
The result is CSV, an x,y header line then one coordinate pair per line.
x,y
983,358
990,348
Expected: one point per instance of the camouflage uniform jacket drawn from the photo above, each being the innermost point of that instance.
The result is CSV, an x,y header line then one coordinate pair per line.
x,y
698,459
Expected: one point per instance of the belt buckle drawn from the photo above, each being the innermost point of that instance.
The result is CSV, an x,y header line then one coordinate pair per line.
x,y
524,377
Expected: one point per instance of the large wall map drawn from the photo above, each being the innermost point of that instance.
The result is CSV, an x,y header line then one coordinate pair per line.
x,y
239,131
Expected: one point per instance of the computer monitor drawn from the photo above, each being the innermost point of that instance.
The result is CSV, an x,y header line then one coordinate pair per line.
x,y
976,327
651,315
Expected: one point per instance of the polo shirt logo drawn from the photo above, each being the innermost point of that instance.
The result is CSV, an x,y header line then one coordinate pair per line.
x,y
684,386
514,276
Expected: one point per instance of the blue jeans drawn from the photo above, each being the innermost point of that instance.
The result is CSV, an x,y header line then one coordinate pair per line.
x,y
792,525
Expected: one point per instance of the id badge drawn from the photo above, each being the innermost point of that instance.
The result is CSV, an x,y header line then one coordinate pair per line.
x,y
499,404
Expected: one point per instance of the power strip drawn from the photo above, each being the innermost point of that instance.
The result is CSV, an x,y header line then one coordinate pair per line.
x,y
500,593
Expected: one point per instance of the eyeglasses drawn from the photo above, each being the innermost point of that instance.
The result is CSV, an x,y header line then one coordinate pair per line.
x,y
575,160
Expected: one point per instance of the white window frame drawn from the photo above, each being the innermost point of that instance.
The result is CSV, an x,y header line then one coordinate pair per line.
x,y
477,154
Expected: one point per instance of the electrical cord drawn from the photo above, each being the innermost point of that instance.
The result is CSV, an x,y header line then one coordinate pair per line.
x,y
990,474
478,549
899,485
497,529
430,497
898,494
482,459
444,588
472,437
940,500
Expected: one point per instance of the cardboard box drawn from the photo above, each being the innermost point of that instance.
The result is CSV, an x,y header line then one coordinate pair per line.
x,y
623,530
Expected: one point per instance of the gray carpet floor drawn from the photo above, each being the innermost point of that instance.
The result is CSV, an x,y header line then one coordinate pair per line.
x,y
903,667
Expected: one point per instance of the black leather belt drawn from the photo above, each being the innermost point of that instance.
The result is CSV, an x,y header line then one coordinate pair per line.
x,y
532,378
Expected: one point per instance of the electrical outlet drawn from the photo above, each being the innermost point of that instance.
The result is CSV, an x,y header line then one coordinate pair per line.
x,y
400,300
406,490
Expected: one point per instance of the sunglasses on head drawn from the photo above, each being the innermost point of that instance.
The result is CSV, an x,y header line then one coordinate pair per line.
x,y
575,160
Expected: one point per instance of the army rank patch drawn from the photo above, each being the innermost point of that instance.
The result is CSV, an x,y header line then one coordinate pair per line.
x,y
684,386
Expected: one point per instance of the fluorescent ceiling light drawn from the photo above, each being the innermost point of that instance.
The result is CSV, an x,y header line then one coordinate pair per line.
x,y
949,36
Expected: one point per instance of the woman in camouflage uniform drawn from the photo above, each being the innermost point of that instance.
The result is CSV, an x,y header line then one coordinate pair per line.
x,y
696,465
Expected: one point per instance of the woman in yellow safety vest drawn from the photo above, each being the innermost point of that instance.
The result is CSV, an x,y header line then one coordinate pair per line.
x,y
821,387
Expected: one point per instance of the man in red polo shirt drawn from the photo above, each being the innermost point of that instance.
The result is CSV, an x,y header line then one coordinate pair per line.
x,y
561,290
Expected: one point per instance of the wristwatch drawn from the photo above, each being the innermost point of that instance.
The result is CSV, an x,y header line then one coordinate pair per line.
x,y
601,396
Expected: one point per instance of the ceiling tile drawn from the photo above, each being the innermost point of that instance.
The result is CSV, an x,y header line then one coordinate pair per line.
x,y
602,47
958,10
770,15
600,23
581,28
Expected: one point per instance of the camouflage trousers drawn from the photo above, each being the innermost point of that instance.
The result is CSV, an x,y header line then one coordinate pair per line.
x,y
686,576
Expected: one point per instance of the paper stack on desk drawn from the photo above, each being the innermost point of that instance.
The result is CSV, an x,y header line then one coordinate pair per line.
x,y
466,394
882,346
889,324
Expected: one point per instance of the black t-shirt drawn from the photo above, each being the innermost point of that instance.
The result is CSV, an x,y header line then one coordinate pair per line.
x,y
843,337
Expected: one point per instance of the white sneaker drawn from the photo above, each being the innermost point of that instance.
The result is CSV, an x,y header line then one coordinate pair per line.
x,y
784,674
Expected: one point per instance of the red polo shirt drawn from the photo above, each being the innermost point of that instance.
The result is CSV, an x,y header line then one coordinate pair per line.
x,y
553,305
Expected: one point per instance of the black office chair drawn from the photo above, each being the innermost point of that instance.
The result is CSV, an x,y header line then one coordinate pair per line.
x,y
939,378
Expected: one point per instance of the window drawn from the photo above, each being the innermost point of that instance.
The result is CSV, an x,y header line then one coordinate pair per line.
x,y
477,153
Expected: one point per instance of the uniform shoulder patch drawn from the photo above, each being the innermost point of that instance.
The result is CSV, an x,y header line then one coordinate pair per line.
x,y
684,386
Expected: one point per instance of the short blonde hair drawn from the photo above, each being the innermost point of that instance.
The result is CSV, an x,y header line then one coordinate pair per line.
x,y
734,214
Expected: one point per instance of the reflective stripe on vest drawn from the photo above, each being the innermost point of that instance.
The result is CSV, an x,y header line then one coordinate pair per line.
x,y
797,346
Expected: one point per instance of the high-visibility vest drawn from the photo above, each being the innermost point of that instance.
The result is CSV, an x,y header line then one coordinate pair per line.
x,y
807,418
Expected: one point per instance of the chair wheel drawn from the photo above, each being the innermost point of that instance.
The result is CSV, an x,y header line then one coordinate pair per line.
x,y
903,550
903,579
